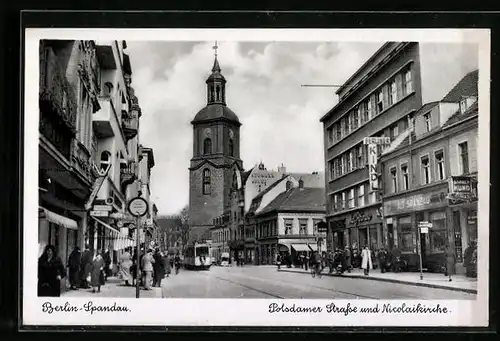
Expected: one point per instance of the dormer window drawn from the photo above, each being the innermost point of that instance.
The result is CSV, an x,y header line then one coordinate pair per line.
x,y
466,103
427,121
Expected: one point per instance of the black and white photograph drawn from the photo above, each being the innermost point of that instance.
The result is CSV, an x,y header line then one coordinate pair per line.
x,y
256,174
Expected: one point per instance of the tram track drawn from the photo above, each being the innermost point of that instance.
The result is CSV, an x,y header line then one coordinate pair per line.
x,y
357,296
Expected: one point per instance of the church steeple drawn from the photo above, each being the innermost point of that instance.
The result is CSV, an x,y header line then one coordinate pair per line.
x,y
216,83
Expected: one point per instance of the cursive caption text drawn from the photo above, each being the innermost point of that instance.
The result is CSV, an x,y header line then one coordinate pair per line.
x,y
89,307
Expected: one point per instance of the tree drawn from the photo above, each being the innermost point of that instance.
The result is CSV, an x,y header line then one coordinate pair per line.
x,y
184,230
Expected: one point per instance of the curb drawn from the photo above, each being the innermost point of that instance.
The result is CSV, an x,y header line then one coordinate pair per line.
x,y
428,285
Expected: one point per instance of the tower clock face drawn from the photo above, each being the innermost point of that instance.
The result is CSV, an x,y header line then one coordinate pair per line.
x,y
207,132
231,133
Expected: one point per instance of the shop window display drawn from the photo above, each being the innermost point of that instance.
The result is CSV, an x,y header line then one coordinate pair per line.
x,y
406,235
437,234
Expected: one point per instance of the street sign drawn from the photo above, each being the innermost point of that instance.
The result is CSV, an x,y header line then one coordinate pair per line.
x,y
97,186
138,207
99,213
102,208
424,230
377,140
322,227
424,224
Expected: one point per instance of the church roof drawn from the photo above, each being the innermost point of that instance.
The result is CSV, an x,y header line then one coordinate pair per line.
x,y
215,111
216,72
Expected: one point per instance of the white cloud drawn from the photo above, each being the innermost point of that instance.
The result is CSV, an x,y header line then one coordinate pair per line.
x,y
280,118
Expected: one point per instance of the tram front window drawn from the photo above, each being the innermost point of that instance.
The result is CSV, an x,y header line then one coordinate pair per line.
x,y
202,251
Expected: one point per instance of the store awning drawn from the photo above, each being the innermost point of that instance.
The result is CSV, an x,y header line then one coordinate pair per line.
x,y
282,248
59,219
300,247
313,247
106,225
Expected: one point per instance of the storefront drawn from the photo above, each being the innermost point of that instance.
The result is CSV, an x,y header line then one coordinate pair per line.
x,y
357,229
402,216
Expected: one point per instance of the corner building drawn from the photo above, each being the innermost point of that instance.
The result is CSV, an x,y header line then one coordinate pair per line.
x,y
216,155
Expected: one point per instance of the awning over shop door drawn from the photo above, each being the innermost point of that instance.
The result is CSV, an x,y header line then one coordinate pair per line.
x,y
282,248
106,225
313,247
60,220
300,247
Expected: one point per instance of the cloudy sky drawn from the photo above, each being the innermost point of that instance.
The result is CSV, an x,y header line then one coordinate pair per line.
x,y
280,118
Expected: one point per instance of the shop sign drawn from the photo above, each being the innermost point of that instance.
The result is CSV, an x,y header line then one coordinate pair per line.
x,y
99,213
372,166
463,189
472,219
360,217
414,202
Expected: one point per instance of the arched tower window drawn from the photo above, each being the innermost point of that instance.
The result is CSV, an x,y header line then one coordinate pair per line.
x,y
206,181
105,160
217,93
207,146
231,147
211,93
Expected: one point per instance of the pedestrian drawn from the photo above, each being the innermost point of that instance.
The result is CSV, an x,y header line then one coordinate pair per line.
x,y
306,261
450,262
50,273
177,263
469,260
278,260
167,262
107,264
147,267
97,273
366,260
348,258
85,267
74,261
158,268
125,265
382,260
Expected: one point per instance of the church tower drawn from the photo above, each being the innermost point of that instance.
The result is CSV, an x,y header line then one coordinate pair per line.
x,y
216,153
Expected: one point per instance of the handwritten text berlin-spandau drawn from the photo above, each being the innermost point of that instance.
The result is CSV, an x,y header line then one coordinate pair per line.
x,y
88,307
349,308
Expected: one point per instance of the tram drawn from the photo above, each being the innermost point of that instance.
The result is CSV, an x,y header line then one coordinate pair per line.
x,y
197,257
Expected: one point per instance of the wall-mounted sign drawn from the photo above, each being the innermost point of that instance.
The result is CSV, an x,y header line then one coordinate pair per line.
x,y
415,202
377,140
372,166
360,217
102,208
99,213
462,189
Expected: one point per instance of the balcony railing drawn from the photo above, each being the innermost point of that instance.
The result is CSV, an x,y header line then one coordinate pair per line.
x,y
130,126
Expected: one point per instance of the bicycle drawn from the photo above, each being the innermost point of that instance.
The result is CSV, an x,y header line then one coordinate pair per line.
x,y
316,271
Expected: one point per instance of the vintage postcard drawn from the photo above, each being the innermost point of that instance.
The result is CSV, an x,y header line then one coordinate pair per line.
x,y
256,177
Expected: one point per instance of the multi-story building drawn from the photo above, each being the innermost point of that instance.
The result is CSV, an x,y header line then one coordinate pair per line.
x,y
289,223
69,86
378,100
430,175
88,145
146,163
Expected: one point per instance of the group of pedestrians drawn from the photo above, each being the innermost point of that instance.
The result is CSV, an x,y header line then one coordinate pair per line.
x,y
85,270
153,267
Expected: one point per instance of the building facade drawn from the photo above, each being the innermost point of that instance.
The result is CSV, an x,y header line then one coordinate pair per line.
x,y
216,156
89,122
376,101
431,176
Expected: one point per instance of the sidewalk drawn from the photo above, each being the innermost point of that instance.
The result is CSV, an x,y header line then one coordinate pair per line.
x,y
430,280
114,288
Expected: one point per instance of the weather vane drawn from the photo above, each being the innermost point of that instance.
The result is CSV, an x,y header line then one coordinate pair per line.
x,y
215,47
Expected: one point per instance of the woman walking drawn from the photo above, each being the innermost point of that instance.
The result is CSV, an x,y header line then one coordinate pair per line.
x,y
125,265
147,266
50,272
97,274
366,260
450,262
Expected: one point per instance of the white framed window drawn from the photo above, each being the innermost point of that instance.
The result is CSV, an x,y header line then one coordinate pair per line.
x,y
332,169
440,171
369,110
361,195
343,201
363,113
288,226
393,92
372,197
394,131
427,122
407,82
350,160
405,176
355,118
338,131
426,169
347,127
335,202
394,179
302,226
350,203
341,166
380,101
360,157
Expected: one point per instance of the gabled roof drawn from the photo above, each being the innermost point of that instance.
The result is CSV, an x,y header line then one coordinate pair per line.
x,y
298,200
311,180
245,175
466,87
259,196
